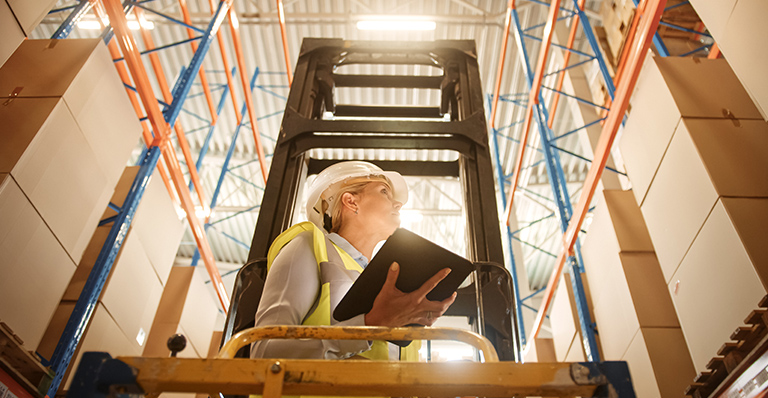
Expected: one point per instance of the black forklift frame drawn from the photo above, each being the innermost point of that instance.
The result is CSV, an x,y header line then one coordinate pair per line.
x,y
458,124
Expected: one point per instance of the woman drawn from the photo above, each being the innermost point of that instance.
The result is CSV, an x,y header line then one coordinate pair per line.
x,y
352,206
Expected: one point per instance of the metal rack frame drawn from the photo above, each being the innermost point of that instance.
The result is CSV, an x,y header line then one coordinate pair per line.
x,y
570,217
156,132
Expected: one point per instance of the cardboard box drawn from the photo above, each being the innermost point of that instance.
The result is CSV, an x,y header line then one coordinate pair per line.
x,y
626,283
659,363
668,89
185,307
10,31
55,167
617,225
576,350
34,267
158,227
133,292
718,283
30,13
617,18
738,42
542,350
561,322
155,223
103,335
81,72
200,311
705,160
715,15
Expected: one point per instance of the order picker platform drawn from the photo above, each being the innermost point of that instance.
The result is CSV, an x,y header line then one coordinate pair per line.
x,y
101,376
313,120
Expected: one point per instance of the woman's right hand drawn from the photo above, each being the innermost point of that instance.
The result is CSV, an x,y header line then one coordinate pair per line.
x,y
393,308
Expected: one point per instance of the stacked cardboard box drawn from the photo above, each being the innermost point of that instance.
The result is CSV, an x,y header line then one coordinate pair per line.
x,y
132,293
67,128
739,30
34,266
186,307
688,147
617,18
17,20
722,276
564,321
11,33
633,311
67,133
30,13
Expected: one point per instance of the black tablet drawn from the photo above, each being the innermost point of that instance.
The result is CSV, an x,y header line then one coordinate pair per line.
x,y
419,260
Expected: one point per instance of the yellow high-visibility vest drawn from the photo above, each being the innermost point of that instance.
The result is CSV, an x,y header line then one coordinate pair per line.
x,y
321,314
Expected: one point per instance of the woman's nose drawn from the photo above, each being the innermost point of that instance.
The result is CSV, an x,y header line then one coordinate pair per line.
x,y
398,205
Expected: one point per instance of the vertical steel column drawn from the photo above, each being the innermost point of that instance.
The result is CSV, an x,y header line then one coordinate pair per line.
x,y
101,15
512,265
89,297
224,61
211,129
166,92
201,73
592,40
658,42
500,73
225,166
651,10
77,13
566,60
161,121
281,17
536,109
234,28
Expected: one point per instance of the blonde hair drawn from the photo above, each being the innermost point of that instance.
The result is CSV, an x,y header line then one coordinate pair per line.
x,y
355,187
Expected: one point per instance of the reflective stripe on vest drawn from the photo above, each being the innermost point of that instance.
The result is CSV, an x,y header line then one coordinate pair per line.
x,y
320,315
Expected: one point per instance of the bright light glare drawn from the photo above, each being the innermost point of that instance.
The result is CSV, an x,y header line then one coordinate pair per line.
x,y
396,25
410,216
132,25
90,25
199,212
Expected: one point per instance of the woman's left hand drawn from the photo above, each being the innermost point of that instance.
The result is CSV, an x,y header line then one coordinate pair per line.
x,y
394,308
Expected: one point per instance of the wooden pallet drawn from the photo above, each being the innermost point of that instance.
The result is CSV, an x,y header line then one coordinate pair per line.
x,y
21,365
731,354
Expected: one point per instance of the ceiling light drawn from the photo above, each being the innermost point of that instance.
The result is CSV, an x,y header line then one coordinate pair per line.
x,y
396,24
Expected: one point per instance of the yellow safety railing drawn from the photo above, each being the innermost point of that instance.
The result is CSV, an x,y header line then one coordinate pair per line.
x,y
248,336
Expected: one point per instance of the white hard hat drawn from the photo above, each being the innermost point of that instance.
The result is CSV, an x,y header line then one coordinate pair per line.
x,y
332,178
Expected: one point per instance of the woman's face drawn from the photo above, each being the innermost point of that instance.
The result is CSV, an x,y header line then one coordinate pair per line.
x,y
378,209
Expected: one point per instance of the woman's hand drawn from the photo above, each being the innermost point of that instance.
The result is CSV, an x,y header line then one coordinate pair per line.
x,y
394,308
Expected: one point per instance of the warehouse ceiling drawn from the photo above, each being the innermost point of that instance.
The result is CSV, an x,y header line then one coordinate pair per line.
x,y
435,210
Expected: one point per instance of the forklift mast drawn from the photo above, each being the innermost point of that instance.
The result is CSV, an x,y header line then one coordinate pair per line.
x,y
457,124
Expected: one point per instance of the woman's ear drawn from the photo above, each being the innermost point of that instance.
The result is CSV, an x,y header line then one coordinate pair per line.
x,y
349,200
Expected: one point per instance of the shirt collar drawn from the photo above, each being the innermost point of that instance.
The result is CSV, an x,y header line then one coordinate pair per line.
x,y
347,247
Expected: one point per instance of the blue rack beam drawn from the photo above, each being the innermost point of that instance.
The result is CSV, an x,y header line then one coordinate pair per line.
x,y
88,299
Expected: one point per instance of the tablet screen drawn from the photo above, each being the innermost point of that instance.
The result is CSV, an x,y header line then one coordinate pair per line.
x,y
419,260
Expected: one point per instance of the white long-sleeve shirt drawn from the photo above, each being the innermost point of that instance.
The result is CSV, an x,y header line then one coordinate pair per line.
x,y
290,293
